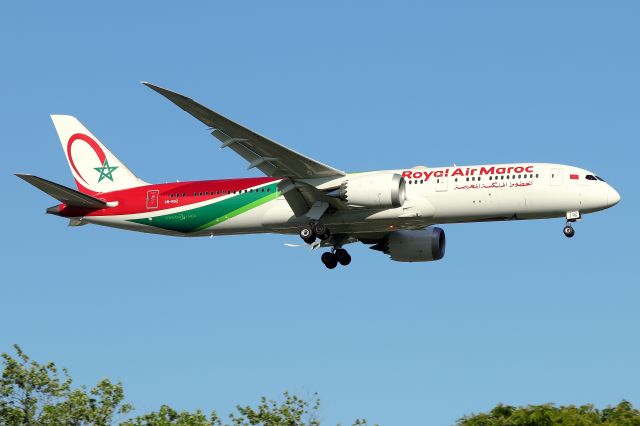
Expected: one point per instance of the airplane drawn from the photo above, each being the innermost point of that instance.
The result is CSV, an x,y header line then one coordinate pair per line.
x,y
392,211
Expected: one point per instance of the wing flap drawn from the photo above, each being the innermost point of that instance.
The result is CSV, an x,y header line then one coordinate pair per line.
x,y
65,195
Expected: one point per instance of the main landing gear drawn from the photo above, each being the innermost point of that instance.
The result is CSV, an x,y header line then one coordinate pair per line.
x,y
335,256
332,258
312,231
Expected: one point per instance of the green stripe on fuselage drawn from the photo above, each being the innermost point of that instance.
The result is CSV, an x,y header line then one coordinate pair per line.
x,y
200,218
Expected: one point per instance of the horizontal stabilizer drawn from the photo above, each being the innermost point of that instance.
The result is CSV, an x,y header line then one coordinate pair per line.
x,y
65,195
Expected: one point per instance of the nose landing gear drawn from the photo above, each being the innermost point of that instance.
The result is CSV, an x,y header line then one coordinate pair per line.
x,y
568,230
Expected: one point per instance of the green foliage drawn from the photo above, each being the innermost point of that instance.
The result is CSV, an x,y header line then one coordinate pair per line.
x,y
167,416
37,394
294,411
34,394
291,411
622,414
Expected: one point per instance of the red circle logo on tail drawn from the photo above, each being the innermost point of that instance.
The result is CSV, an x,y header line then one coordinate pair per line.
x,y
89,141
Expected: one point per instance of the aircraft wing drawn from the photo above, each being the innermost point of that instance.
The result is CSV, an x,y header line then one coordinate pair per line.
x,y
268,156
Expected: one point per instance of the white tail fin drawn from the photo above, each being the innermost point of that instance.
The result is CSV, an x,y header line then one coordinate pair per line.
x,y
94,168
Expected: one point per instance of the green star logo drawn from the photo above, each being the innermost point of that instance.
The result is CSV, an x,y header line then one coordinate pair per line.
x,y
105,171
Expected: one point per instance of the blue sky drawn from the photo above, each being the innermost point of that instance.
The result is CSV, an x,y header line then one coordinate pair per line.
x,y
514,313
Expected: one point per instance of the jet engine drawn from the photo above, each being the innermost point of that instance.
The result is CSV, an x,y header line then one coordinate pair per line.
x,y
375,190
423,245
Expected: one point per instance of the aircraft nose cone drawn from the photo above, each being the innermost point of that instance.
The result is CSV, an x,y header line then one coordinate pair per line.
x,y
613,197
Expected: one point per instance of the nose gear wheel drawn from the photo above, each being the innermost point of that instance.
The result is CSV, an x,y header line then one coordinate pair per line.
x,y
568,230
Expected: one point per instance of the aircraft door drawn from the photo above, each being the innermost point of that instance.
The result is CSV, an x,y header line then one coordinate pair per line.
x,y
152,198
442,183
556,177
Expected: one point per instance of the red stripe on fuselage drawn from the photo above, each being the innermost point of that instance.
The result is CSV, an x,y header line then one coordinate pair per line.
x,y
134,200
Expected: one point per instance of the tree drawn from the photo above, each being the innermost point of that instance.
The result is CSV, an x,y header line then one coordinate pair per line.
x,y
291,411
37,394
622,414
167,416
34,394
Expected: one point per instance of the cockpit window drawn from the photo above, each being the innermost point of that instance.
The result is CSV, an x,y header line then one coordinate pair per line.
x,y
591,177
600,179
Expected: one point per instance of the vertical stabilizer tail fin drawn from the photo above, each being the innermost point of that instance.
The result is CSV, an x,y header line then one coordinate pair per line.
x,y
94,168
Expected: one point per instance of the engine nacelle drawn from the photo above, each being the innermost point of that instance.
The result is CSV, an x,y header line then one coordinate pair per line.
x,y
423,245
375,190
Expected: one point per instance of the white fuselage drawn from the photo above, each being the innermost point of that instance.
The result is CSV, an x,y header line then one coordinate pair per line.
x,y
433,195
